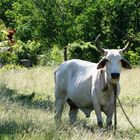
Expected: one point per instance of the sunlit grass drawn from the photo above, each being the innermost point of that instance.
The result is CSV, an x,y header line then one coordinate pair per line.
x,y
31,118
130,82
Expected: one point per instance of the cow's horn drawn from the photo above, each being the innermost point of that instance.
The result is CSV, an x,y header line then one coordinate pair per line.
x,y
127,46
98,44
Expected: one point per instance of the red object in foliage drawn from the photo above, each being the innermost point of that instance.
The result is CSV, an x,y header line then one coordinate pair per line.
x,y
10,35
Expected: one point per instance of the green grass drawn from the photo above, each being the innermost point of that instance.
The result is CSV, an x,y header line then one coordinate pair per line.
x,y
27,117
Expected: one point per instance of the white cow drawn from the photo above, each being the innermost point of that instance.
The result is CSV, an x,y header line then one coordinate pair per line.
x,y
89,86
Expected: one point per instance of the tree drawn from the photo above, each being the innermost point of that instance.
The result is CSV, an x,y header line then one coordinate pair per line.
x,y
62,22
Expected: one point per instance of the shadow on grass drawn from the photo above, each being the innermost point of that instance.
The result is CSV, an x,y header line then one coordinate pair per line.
x,y
83,124
25,100
13,127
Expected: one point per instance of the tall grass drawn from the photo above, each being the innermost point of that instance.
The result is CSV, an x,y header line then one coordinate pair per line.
x,y
28,117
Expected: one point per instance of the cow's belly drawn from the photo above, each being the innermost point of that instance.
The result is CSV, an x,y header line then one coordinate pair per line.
x,y
81,96
87,111
79,91
84,104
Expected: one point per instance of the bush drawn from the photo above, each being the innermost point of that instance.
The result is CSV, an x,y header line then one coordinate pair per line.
x,y
53,56
83,50
56,55
133,57
20,51
2,30
29,51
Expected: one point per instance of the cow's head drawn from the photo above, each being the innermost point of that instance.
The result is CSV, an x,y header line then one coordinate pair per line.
x,y
113,61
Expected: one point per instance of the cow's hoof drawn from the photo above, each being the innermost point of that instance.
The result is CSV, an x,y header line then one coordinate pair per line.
x,y
110,127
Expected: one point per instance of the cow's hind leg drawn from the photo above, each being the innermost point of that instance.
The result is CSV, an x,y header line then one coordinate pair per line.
x,y
73,111
59,103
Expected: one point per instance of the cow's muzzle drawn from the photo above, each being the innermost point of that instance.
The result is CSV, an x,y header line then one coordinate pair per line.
x,y
115,76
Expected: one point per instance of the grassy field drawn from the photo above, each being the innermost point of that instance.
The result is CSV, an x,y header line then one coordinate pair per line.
x,y
27,108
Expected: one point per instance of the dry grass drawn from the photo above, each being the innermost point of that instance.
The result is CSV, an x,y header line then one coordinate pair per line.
x,y
31,118
130,82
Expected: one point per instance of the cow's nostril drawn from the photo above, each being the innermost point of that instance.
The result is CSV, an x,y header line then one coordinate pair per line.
x,y
115,75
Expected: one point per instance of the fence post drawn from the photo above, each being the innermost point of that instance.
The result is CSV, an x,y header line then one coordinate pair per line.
x,y
65,53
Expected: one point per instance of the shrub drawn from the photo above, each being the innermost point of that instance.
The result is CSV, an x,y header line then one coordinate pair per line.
x,y
56,55
28,50
133,57
53,56
83,50
2,30
20,51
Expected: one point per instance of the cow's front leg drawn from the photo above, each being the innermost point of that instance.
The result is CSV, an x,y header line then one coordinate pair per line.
x,y
97,108
109,113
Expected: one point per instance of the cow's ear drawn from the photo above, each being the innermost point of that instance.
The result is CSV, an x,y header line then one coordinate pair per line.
x,y
102,63
125,64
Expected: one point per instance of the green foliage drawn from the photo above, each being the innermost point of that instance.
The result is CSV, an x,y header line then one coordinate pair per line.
x,y
4,6
28,50
133,57
83,50
56,55
62,22
20,51
53,57
2,30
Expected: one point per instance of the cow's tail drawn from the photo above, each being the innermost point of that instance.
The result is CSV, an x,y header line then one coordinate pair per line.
x,y
57,70
55,75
